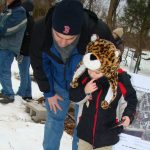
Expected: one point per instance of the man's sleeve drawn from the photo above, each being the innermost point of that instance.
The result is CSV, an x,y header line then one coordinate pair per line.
x,y
36,47
48,72
12,22
78,94
104,32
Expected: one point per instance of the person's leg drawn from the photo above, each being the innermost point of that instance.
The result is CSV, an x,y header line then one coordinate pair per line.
x,y
54,125
28,91
104,148
75,138
2,60
6,58
83,145
25,81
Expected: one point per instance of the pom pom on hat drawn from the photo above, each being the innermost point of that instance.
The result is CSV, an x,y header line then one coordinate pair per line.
x,y
68,17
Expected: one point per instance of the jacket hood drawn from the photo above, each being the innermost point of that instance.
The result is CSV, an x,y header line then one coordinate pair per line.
x,y
28,6
14,4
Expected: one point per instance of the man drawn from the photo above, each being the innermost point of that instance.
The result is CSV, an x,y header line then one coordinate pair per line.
x,y
57,46
118,36
12,27
25,90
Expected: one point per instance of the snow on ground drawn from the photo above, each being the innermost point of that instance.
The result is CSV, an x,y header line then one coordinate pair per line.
x,y
129,63
17,130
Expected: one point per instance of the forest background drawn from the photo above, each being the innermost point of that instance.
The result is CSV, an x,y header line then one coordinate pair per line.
x,y
133,16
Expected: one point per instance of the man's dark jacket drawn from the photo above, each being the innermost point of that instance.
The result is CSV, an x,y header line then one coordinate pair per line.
x,y
27,36
42,41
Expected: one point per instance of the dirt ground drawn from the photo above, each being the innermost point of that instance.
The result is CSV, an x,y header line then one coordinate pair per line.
x,y
69,122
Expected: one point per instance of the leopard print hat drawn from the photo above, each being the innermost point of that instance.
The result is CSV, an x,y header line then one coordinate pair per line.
x,y
101,55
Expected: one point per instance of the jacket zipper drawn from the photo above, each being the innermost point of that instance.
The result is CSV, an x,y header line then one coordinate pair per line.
x,y
65,65
96,115
65,76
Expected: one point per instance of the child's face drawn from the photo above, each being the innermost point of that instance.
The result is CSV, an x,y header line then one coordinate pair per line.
x,y
95,74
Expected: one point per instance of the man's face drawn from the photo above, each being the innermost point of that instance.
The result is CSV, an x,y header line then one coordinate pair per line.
x,y
63,40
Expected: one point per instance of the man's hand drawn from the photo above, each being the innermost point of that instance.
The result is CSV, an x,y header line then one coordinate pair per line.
x,y
53,102
90,87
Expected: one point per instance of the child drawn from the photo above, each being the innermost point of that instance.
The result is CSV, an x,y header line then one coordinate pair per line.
x,y
97,87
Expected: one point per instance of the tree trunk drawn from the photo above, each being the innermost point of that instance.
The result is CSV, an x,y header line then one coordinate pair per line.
x,y
41,7
90,4
139,53
2,2
82,1
111,12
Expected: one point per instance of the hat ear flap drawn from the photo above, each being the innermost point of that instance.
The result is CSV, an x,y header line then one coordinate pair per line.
x,y
111,94
79,71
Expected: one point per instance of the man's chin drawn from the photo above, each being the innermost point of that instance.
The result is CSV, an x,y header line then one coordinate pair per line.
x,y
62,46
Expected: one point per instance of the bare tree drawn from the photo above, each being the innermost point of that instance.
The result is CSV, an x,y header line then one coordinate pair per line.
x,y
112,13
90,4
2,2
82,1
41,7
137,20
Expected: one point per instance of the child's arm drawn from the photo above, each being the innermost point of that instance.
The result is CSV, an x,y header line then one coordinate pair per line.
x,y
90,87
79,93
129,94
